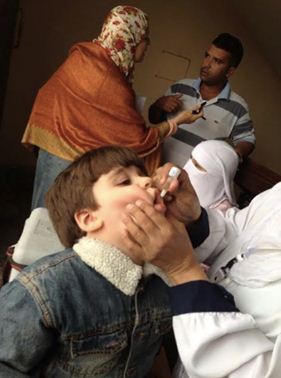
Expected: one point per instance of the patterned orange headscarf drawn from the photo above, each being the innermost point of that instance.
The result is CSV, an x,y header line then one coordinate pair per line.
x,y
124,28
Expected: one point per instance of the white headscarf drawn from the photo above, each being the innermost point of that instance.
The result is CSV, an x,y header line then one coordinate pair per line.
x,y
220,162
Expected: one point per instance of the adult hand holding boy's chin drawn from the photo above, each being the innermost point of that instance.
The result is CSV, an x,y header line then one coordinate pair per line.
x,y
181,200
151,237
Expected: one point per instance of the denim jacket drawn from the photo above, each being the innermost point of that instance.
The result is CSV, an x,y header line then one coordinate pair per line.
x,y
68,315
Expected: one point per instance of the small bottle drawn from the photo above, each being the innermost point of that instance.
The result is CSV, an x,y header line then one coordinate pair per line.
x,y
173,174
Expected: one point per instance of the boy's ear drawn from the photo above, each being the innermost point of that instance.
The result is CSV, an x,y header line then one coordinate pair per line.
x,y
87,220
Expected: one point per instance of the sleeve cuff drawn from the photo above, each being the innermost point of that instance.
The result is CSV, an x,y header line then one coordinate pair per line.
x,y
200,296
199,230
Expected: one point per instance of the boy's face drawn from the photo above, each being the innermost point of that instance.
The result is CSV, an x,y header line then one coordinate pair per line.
x,y
113,192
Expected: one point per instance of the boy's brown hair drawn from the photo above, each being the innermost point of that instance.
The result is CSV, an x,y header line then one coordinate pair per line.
x,y
73,187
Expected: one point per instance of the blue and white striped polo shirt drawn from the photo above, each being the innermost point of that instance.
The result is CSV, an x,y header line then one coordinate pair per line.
x,y
227,116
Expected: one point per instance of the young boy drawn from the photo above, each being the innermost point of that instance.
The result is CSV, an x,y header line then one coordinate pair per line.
x,y
87,311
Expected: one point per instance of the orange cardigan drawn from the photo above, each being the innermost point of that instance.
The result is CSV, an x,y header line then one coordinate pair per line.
x,y
88,103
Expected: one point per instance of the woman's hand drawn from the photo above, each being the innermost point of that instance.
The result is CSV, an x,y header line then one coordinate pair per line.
x,y
189,116
181,200
150,237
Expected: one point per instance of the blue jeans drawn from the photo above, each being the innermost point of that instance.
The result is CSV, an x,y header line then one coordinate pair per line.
x,y
47,168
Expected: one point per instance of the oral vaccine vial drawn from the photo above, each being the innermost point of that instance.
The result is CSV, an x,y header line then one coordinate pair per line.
x,y
172,175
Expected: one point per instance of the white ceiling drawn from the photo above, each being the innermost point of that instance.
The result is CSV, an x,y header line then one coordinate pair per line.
x,y
263,20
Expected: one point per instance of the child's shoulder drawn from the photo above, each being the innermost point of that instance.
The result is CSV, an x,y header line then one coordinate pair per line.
x,y
49,267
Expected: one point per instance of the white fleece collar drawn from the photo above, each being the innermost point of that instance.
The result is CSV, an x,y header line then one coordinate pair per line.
x,y
111,263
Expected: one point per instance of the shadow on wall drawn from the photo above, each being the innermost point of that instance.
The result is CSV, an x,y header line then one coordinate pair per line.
x,y
16,183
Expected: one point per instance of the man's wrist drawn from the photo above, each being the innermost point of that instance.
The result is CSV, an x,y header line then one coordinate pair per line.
x,y
156,114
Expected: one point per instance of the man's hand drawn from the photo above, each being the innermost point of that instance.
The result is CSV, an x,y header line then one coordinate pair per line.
x,y
169,104
150,237
181,200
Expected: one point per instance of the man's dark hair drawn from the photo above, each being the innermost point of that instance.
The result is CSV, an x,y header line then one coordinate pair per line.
x,y
231,44
73,187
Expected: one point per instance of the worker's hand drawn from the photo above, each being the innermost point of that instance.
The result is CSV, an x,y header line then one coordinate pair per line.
x,y
169,104
149,236
181,200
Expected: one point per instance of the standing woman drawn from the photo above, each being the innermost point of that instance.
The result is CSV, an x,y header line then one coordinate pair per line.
x,y
89,102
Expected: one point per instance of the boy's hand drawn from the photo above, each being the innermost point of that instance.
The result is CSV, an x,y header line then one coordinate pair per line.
x,y
181,200
152,238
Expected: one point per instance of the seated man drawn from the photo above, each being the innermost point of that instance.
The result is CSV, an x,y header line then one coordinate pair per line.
x,y
89,310
226,113
220,335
